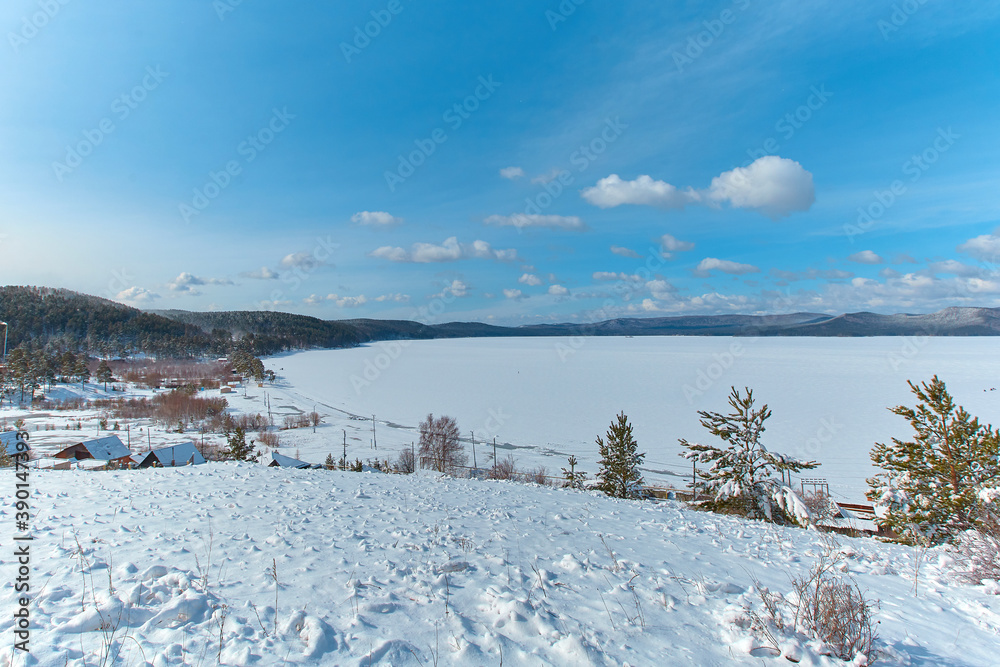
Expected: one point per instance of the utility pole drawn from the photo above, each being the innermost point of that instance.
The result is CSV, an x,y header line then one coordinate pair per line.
x,y
149,439
374,441
5,327
494,451
345,447
474,466
694,480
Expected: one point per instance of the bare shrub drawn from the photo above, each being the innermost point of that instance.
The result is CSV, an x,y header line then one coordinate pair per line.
x,y
406,462
978,551
289,422
440,447
820,505
538,476
503,469
268,439
823,606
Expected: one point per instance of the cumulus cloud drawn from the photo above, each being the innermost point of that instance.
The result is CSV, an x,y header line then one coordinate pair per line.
x,y
985,248
457,288
956,268
660,289
530,279
263,273
611,275
375,219
558,290
397,298
299,260
622,251
512,173
137,295
340,301
523,220
670,244
709,264
186,282
449,251
547,177
513,294
811,274
771,185
865,257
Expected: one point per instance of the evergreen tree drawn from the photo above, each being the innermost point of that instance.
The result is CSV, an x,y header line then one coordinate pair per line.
x,y
104,373
931,486
329,463
740,475
17,363
81,370
238,449
620,460
67,367
574,479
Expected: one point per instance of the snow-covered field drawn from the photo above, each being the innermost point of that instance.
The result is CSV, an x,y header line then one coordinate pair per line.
x,y
423,570
546,398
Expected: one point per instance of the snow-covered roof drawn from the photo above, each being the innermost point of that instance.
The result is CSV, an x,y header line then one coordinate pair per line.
x,y
9,440
108,448
174,455
280,460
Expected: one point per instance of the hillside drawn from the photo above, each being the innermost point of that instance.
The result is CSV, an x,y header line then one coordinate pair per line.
x,y
70,320
240,564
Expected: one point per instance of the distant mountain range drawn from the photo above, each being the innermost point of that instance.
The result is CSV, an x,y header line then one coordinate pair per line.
x,y
67,319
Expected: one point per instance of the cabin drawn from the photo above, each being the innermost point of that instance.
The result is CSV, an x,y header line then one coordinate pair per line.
x,y
108,449
181,454
282,461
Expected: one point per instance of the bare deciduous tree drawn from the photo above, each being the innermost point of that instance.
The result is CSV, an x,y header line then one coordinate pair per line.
x,y
440,447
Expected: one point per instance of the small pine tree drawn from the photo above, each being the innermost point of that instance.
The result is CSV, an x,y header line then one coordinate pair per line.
x,y
741,472
104,373
81,370
931,487
329,463
620,460
237,448
574,479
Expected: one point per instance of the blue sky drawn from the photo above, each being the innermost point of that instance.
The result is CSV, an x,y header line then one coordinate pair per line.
x,y
503,161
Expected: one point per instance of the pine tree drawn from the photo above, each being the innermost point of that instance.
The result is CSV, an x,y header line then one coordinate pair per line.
x,y
238,449
620,460
741,472
81,370
104,373
329,463
930,488
574,479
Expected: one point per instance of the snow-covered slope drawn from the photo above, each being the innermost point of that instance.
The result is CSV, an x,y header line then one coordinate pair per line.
x,y
421,570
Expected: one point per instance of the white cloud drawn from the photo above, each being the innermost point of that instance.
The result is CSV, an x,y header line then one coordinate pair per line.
x,y
186,282
530,279
449,251
512,173
299,260
709,264
522,221
513,294
865,257
263,273
670,244
137,295
644,191
625,252
397,298
457,288
611,275
771,185
375,219
660,289
341,301
957,268
985,248
558,290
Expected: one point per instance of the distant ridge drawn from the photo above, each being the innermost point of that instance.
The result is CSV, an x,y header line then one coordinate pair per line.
x,y
66,319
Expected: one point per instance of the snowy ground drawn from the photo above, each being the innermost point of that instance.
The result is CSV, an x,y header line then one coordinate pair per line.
x,y
546,398
423,570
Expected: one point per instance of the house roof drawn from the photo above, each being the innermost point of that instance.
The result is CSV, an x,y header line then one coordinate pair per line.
x,y
174,455
9,440
280,460
108,448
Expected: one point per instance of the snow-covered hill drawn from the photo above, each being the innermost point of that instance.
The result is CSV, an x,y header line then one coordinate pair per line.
x,y
241,564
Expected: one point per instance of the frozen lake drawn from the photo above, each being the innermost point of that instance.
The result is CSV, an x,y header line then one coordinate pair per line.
x,y
546,398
